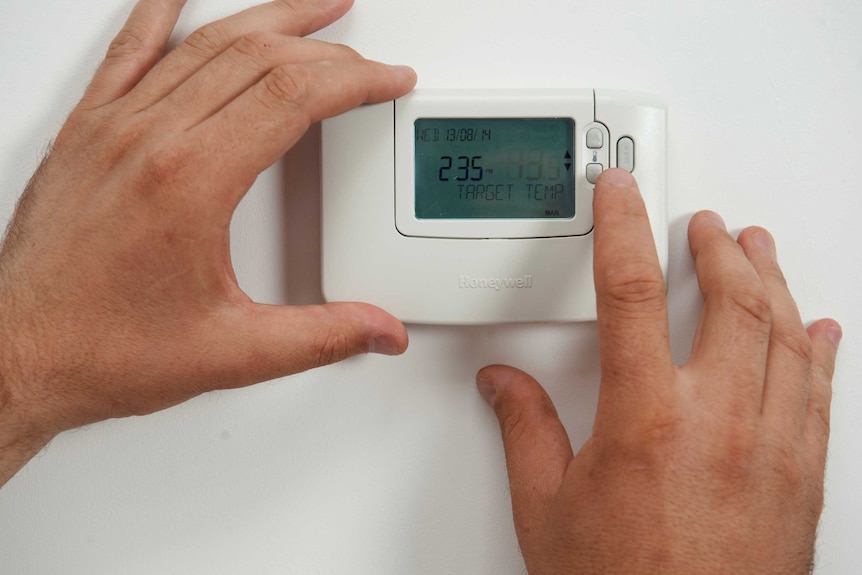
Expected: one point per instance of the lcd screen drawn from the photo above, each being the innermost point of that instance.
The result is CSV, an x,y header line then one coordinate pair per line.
x,y
505,168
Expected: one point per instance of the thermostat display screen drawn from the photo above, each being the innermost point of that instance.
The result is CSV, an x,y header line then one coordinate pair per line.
x,y
471,168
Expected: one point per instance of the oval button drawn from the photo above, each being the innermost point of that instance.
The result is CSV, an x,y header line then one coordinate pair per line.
x,y
626,154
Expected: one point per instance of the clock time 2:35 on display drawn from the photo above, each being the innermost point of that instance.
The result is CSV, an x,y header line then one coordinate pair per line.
x,y
505,168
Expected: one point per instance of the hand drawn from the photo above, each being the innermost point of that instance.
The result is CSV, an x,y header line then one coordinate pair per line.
x,y
713,467
117,293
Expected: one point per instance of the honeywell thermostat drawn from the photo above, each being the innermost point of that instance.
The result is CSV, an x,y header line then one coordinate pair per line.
x,y
475,206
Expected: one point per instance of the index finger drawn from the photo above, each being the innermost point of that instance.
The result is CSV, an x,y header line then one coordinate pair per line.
x,y
289,17
261,124
630,296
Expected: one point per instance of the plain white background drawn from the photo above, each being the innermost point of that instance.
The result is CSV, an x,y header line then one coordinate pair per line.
x,y
394,465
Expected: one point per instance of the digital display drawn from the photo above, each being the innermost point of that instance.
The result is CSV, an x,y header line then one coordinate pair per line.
x,y
471,168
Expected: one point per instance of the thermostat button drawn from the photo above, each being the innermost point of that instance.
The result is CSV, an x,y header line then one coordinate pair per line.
x,y
626,154
595,138
593,172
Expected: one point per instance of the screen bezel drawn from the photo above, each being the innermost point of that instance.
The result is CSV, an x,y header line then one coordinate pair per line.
x,y
476,147
577,106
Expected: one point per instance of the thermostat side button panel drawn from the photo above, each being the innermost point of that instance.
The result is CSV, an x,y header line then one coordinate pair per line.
x,y
642,118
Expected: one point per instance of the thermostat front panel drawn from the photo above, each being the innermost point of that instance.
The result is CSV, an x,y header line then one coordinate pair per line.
x,y
472,207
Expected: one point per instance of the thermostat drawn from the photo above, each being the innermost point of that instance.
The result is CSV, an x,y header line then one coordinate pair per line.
x,y
475,206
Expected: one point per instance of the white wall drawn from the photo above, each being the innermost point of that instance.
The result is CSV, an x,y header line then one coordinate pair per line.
x,y
393,466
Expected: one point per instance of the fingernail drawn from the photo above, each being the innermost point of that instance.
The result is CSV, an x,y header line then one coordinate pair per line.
x,y
405,70
715,220
329,3
834,334
617,177
764,240
487,390
384,345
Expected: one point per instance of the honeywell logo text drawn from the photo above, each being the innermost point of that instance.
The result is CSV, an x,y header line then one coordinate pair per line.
x,y
522,282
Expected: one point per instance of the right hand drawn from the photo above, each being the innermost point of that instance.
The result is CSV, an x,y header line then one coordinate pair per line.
x,y
713,467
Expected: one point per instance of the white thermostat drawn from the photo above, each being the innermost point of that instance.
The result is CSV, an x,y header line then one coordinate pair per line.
x,y
475,206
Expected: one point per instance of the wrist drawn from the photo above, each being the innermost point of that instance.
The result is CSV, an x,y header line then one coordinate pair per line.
x,y
20,436
18,444
20,441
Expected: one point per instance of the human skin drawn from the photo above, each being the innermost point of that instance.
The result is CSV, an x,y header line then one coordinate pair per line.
x,y
716,466
117,297
117,293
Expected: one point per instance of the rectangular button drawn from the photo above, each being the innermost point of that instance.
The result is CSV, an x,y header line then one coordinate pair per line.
x,y
626,154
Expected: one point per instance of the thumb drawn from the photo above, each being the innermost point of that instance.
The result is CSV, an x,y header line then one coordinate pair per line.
x,y
263,342
537,446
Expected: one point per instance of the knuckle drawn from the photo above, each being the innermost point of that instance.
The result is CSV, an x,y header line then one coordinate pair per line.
x,y
633,454
796,342
131,41
662,431
819,413
347,52
824,371
106,136
287,86
652,438
120,136
738,446
129,131
254,46
332,346
163,166
521,414
514,426
634,284
750,303
522,409
745,459
207,40
732,458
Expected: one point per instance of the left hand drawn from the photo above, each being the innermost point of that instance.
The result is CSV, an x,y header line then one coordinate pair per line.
x,y
117,293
